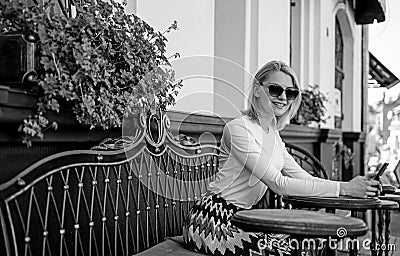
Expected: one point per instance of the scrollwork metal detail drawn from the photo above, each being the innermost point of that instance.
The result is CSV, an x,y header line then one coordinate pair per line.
x,y
162,123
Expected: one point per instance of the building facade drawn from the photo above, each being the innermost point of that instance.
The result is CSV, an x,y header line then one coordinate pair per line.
x,y
223,43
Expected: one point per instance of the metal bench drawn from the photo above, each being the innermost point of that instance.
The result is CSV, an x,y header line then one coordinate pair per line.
x,y
120,198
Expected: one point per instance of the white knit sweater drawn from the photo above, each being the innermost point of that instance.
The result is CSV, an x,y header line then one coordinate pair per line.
x,y
251,160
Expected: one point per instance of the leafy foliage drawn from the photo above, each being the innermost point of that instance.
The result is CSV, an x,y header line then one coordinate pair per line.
x,y
102,62
312,107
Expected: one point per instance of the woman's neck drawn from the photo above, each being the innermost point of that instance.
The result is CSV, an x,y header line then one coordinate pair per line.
x,y
267,122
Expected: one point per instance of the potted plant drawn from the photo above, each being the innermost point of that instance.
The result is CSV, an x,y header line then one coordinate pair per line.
x,y
100,63
312,109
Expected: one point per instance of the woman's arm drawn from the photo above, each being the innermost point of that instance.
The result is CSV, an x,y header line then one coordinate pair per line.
x,y
292,169
357,187
248,152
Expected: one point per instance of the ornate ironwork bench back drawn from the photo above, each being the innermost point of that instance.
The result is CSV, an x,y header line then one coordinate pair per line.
x,y
119,201
113,202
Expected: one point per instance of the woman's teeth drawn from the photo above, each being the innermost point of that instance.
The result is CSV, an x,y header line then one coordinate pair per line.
x,y
279,104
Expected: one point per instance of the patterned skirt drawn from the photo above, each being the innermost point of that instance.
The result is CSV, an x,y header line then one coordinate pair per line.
x,y
207,229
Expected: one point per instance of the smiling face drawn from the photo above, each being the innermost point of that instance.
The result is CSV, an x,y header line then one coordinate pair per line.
x,y
280,104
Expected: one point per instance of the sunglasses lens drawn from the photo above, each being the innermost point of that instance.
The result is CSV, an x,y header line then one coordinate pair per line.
x,y
291,94
275,90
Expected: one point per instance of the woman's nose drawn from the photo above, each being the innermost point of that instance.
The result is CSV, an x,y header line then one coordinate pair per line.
x,y
282,96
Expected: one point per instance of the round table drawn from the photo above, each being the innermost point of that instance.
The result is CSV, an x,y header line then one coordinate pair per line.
x,y
332,203
384,223
342,202
297,223
388,189
391,197
300,225
392,202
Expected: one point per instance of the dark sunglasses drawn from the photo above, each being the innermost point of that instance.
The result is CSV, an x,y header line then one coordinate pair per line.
x,y
277,90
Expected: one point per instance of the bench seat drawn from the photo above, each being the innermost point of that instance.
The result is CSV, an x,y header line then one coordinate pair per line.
x,y
171,246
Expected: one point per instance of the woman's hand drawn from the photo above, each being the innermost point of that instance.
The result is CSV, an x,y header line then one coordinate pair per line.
x,y
371,176
360,187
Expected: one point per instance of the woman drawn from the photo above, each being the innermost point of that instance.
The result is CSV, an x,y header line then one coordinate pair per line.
x,y
252,159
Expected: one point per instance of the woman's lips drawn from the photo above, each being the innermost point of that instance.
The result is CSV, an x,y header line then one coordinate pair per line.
x,y
279,104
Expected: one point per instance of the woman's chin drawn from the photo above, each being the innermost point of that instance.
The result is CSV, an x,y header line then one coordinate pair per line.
x,y
279,112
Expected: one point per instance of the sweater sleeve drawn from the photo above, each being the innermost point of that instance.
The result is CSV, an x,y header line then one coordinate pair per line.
x,y
292,169
254,158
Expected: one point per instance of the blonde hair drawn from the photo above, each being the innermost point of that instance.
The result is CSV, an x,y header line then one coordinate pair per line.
x,y
262,75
